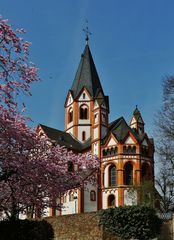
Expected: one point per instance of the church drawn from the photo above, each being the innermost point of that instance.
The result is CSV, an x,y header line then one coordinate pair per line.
x,y
125,151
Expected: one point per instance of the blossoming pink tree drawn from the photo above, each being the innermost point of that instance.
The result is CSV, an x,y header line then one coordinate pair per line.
x,y
33,171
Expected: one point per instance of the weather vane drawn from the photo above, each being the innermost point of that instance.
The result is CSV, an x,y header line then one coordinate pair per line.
x,y
87,32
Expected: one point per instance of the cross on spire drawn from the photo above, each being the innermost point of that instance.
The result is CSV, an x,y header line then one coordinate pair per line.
x,y
87,32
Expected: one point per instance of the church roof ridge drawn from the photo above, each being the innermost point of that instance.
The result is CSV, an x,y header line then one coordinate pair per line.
x,y
65,139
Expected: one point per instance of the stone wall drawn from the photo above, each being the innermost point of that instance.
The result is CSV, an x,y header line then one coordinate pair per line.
x,y
84,226
167,232
76,227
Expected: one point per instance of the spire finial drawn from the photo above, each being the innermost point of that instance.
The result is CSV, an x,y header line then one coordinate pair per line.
x,y
87,32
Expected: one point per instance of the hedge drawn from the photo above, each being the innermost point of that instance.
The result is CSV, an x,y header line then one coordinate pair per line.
x,y
136,222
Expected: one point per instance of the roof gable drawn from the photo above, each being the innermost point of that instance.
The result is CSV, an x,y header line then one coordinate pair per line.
x,y
129,140
83,97
69,99
144,143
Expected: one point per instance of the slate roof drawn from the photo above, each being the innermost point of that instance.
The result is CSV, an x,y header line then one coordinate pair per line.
x,y
86,75
65,139
120,129
137,114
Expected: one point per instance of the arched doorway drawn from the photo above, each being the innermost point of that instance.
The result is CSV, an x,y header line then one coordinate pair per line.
x,y
111,200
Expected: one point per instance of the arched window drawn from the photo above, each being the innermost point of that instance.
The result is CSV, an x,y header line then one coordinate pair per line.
x,y
128,174
70,115
71,196
129,149
145,171
83,136
112,176
134,149
83,112
111,201
93,195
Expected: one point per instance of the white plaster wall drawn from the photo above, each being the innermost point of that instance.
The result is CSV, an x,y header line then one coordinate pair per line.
x,y
70,124
129,140
84,121
105,195
112,142
96,152
106,176
70,131
70,207
130,197
81,129
89,206
86,96
95,133
70,100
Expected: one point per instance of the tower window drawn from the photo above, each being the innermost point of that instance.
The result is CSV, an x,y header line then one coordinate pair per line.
x,y
84,95
128,174
83,136
93,195
70,115
112,175
83,112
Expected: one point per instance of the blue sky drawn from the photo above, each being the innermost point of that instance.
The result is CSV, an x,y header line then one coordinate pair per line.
x,y
132,44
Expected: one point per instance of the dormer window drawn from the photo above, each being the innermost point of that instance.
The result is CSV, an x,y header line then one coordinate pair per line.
x,y
70,115
83,112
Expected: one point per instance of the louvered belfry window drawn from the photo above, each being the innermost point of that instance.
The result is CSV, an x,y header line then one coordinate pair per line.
x,y
83,112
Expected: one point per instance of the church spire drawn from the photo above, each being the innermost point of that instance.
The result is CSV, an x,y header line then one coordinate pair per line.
x,y
86,75
137,121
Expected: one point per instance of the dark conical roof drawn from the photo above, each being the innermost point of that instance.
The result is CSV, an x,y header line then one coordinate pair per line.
x,y
136,113
86,75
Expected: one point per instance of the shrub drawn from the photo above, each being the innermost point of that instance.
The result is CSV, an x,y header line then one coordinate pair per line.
x,y
137,222
26,230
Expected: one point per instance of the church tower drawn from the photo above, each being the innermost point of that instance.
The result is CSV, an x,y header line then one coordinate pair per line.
x,y
86,106
137,121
